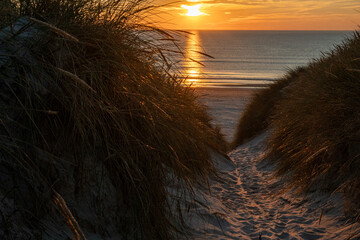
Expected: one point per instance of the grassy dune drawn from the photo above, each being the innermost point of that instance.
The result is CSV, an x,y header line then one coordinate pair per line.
x,y
257,114
315,123
94,89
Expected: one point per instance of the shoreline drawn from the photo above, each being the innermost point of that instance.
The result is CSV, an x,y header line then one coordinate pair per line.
x,y
227,91
245,86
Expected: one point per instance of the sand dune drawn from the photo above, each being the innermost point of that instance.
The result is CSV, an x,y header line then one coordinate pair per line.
x,y
247,203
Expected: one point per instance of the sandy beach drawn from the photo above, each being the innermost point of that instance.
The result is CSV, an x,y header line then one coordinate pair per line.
x,y
225,106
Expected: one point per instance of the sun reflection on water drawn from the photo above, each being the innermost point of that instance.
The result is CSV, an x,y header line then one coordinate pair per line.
x,y
193,59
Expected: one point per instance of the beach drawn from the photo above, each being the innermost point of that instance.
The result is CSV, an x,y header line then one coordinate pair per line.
x,y
184,120
225,106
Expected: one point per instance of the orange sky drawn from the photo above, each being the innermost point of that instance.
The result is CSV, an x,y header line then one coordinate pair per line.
x,y
262,15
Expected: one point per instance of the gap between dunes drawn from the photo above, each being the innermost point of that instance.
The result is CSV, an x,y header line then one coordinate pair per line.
x,y
247,204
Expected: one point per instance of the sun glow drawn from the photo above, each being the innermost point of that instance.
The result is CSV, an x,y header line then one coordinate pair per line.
x,y
193,11
193,69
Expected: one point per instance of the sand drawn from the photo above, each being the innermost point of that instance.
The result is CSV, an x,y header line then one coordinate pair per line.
x,y
247,204
225,106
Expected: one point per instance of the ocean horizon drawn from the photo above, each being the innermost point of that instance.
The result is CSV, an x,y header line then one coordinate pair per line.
x,y
250,58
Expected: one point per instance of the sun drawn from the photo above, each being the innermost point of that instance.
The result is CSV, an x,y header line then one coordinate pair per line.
x,y
193,11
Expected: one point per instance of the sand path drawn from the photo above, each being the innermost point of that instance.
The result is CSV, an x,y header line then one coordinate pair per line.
x,y
245,205
252,209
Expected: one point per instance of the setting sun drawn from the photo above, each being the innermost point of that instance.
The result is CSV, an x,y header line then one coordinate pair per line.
x,y
193,11
260,15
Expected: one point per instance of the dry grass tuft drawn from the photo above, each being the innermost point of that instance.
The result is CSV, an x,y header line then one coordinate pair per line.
x,y
316,128
93,85
257,115
314,124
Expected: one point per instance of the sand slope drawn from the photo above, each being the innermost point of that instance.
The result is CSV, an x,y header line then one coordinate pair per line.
x,y
249,208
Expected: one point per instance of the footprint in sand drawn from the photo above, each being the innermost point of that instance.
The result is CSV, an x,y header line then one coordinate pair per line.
x,y
252,210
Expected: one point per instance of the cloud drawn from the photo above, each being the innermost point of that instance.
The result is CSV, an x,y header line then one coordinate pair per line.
x,y
254,11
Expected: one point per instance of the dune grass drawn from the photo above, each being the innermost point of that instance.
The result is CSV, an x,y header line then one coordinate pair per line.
x,y
257,114
314,124
315,141
95,86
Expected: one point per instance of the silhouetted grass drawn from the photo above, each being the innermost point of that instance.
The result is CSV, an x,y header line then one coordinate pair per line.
x,y
315,137
257,114
95,86
314,123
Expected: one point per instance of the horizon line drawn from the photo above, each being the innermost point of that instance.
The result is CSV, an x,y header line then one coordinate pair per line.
x,y
294,30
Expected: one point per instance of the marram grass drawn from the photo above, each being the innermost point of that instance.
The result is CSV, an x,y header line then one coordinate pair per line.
x,y
314,124
94,88
316,128
258,113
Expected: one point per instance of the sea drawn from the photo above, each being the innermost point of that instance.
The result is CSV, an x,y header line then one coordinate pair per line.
x,y
250,58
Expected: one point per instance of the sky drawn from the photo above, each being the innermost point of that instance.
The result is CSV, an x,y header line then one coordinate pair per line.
x,y
259,14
